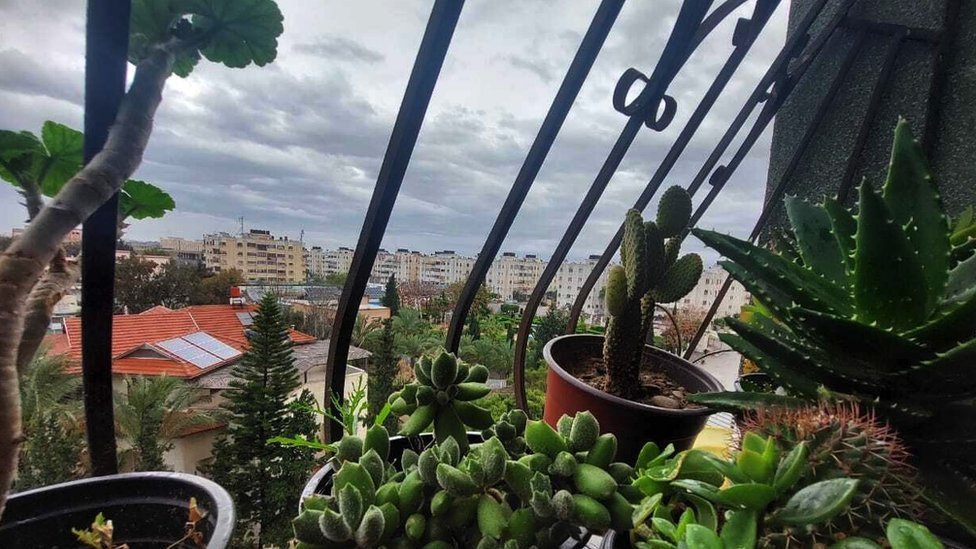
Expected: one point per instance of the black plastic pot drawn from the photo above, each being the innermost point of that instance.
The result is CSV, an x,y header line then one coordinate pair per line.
x,y
147,510
757,382
634,423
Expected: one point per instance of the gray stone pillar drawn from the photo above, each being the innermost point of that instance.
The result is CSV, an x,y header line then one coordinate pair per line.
x,y
931,82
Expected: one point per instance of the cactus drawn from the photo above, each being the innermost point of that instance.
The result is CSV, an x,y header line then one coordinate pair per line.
x,y
880,308
443,395
651,273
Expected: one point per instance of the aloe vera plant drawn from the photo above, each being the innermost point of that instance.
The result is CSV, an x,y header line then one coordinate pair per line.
x,y
651,273
876,307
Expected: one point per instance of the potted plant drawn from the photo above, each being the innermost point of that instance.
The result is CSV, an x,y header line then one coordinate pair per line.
x,y
878,308
636,390
523,484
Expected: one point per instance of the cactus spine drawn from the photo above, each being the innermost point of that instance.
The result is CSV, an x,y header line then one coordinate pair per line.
x,y
651,273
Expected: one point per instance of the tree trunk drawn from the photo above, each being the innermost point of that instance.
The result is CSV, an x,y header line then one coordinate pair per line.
x,y
22,264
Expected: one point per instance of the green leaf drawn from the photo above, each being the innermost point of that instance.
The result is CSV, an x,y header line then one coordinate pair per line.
x,y
818,502
803,286
17,153
141,200
791,375
704,511
63,159
915,204
845,228
665,528
735,400
697,487
240,32
952,324
961,285
855,543
951,375
815,238
772,301
699,537
890,288
747,496
739,531
790,469
905,534
949,492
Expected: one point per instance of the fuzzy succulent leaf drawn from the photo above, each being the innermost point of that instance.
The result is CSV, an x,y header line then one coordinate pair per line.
x,y
355,475
419,420
472,415
584,432
370,528
815,239
448,426
915,205
333,526
443,370
896,302
455,482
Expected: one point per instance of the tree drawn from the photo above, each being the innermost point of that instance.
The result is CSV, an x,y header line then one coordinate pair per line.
x,y
52,451
336,279
382,375
215,289
687,321
151,414
364,332
165,38
391,296
482,298
179,284
135,290
496,355
552,325
264,479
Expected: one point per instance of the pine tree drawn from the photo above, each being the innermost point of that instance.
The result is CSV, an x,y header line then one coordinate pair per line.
x,y
383,374
391,296
264,479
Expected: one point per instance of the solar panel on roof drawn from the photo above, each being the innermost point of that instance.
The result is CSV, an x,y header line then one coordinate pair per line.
x,y
212,345
246,318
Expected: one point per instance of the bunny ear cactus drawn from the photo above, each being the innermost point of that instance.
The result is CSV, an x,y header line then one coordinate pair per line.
x,y
878,308
651,273
442,395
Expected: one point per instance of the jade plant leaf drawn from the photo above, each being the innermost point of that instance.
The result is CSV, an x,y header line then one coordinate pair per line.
x,y
817,503
699,537
747,496
855,543
896,302
819,248
915,205
740,529
905,534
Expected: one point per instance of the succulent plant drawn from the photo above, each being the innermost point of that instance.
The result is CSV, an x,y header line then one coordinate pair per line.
x,y
651,273
442,395
844,442
510,429
876,309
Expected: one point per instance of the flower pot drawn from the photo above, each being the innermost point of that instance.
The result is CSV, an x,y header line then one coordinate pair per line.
x,y
755,383
147,510
634,423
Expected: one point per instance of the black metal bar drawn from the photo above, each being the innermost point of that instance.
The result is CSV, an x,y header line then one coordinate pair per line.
x,y
588,50
106,47
933,108
652,107
433,49
785,179
763,11
874,104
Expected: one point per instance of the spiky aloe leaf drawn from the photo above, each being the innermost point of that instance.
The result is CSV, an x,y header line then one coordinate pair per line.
x,y
890,288
951,375
880,352
845,229
734,401
770,297
961,284
801,285
791,377
948,490
915,204
815,239
948,327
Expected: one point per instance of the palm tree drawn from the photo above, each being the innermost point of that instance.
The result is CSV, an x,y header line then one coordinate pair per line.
x,y
413,346
496,355
151,414
52,420
365,332
410,322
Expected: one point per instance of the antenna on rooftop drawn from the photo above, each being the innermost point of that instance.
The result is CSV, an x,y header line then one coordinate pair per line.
x,y
241,219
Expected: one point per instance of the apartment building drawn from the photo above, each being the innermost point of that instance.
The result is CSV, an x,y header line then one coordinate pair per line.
x,y
179,244
446,267
708,287
258,255
569,279
511,276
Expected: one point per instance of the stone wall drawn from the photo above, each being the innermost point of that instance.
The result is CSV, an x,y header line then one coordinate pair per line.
x,y
936,93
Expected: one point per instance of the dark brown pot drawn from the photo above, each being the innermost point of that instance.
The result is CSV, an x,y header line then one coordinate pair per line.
x,y
634,423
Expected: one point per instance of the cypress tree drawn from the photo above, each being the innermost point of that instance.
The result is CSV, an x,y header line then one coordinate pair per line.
x,y
383,374
391,296
264,479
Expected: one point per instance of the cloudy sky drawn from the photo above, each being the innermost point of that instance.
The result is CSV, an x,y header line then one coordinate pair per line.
x,y
297,145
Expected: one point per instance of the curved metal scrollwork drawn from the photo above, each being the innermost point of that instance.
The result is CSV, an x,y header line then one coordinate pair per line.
x,y
653,108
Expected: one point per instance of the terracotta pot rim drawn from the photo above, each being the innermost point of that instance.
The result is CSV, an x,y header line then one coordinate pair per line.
x,y
708,381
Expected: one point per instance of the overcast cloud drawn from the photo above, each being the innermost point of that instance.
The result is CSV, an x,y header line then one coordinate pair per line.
x,y
297,145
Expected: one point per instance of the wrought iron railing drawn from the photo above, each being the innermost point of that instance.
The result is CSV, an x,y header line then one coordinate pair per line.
x,y
653,108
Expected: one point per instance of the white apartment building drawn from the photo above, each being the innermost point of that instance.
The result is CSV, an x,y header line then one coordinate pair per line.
x,y
704,294
510,274
258,255
179,244
446,267
569,279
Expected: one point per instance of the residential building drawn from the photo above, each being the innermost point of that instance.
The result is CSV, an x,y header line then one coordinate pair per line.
x,y
511,276
446,267
179,244
702,296
258,255
568,282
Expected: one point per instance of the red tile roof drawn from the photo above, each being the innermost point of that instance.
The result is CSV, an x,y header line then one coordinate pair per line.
x,y
141,331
